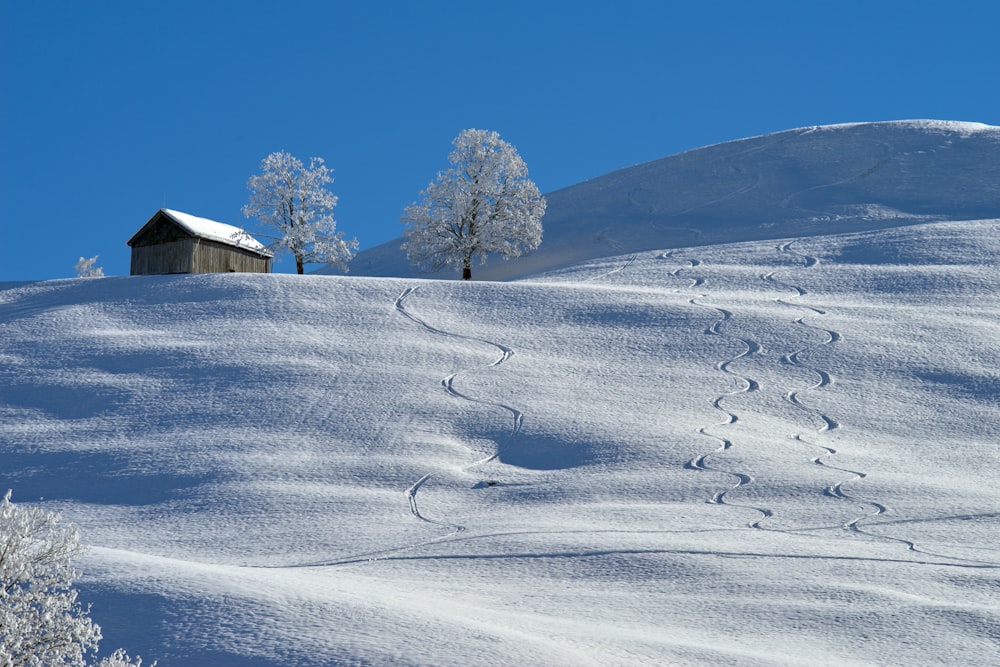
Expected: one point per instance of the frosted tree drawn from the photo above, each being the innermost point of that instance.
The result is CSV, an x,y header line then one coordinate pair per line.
x,y
293,199
41,620
85,268
120,659
484,204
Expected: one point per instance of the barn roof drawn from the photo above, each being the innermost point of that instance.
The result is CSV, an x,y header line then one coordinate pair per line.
x,y
207,229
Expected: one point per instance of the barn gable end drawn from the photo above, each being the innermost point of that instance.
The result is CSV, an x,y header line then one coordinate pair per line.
x,y
175,242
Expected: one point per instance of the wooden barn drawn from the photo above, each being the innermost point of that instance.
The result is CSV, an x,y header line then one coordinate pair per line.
x,y
175,242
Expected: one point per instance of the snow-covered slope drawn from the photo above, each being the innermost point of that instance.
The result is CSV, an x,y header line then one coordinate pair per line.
x,y
761,452
764,453
804,182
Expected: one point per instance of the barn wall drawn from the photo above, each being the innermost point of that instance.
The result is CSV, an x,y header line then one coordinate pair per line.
x,y
172,257
212,257
160,229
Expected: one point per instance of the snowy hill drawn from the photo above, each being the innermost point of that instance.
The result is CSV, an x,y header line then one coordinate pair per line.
x,y
804,182
766,452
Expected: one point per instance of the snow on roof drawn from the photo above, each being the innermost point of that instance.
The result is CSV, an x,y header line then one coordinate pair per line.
x,y
215,231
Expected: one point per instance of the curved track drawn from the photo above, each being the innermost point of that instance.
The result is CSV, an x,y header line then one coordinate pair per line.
x,y
448,384
826,424
743,385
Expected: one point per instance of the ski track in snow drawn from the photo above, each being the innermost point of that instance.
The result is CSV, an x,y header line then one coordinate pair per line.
x,y
396,555
733,164
744,385
888,155
676,273
824,378
826,424
448,384
618,269
457,533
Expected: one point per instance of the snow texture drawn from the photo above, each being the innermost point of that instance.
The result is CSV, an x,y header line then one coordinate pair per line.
x,y
772,451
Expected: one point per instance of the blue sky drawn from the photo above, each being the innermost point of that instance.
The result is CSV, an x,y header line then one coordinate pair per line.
x,y
108,110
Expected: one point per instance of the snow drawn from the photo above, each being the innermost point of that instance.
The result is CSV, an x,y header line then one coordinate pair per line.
x,y
216,231
927,125
765,452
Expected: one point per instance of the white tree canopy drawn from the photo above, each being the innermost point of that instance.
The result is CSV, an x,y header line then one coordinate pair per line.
x,y
484,204
41,620
292,198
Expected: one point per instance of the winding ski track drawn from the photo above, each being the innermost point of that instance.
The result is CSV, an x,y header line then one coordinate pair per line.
x,y
734,164
448,384
743,385
823,422
826,424
888,154
676,273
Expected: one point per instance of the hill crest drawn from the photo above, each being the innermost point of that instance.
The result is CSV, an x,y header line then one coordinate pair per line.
x,y
801,182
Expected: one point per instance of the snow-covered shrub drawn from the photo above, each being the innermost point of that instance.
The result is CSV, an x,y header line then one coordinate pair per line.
x,y
85,268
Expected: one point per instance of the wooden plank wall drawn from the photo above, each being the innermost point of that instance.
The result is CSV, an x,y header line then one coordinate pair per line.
x,y
172,257
211,257
196,256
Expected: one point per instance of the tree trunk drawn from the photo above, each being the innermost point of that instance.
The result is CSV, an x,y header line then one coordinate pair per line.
x,y
299,267
467,269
